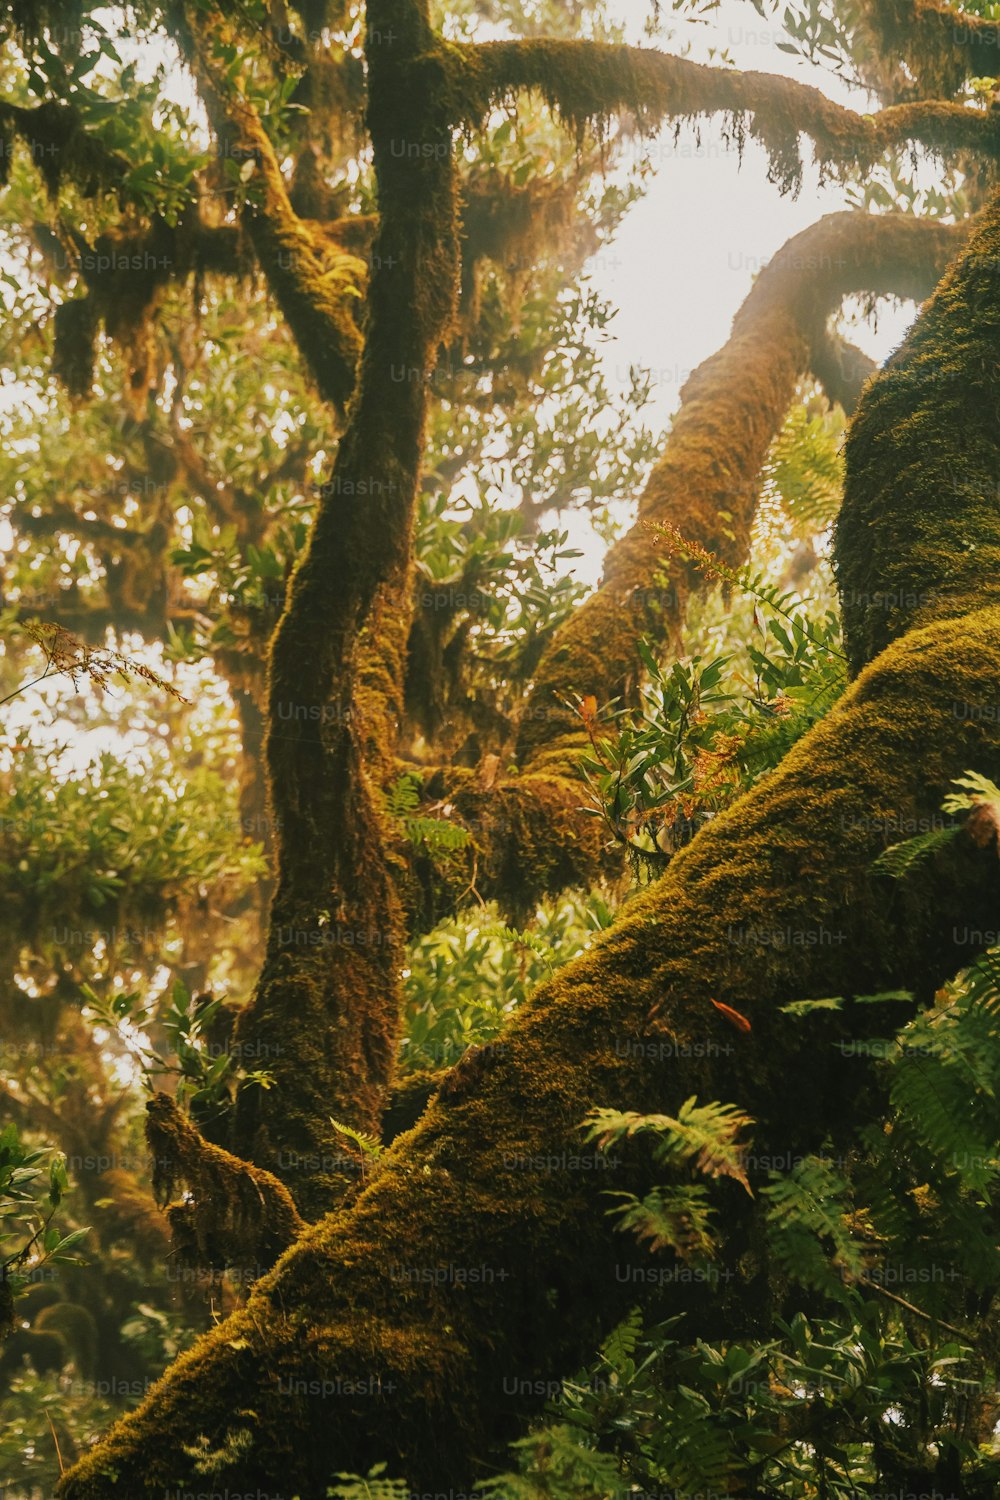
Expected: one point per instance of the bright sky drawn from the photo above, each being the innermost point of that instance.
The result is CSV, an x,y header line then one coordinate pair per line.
x,y
685,257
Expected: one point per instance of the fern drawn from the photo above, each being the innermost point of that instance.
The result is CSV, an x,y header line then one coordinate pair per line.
x,y
976,794
806,467
808,1220
375,1487
440,837
621,1343
704,1135
369,1147
671,1218
900,860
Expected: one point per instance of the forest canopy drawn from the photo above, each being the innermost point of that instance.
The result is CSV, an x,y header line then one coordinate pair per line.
x,y
499,922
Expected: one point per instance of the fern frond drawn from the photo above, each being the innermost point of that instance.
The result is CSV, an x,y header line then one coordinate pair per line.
x,y
899,860
704,1135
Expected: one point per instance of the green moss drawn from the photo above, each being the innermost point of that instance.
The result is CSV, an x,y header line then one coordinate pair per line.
x,y
941,45
233,1213
589,84
774,901
706,483
919,533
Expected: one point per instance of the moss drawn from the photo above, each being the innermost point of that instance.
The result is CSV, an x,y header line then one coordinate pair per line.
x,y
841,369
919,533
941,45
325,1014
74,352
315,282
588,84
408,1100
706,482
60,146
128,1212
531,837
233,1214
365,1343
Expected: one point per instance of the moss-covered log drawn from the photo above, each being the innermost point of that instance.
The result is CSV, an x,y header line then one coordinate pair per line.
x,y
705,485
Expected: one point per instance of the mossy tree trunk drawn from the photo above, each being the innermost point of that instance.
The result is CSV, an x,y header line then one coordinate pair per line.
x,y
325,1013
421,1325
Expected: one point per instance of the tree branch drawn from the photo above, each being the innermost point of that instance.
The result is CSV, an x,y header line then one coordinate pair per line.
x,y
589,83
705,484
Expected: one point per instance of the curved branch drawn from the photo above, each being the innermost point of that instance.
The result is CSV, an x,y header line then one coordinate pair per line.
x,y
479,1267
314,282
588,83
705,484
841,369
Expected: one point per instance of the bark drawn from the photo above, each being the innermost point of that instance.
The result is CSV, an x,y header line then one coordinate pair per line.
x,y
363,1344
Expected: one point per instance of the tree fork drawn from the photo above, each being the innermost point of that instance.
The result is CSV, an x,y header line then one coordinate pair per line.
x,y
362,1345
706,482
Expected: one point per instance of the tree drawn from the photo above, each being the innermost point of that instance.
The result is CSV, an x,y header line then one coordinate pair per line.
x,y
428,1375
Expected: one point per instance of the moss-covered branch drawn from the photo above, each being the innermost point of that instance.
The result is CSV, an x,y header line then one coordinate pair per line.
x,y
919,533
589,83
315,282
941,45
232,1214
841,369
705,484
420,1326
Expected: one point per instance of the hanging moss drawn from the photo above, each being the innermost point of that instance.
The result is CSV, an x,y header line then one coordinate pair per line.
x,y
232,1213
315,283
60,147
588,84
325,1014
74,349
706,483
941,45
919,533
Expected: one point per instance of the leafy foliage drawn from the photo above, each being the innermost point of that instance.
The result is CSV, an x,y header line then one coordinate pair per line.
x,y
706,729
465,978
26,1218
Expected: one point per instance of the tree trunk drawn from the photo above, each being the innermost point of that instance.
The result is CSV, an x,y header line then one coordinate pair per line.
x,y
421,1325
